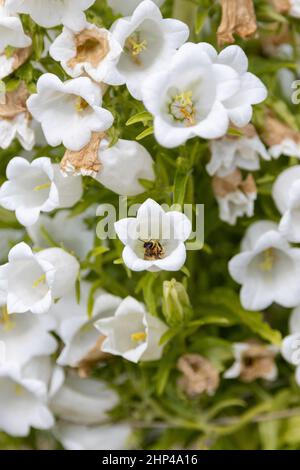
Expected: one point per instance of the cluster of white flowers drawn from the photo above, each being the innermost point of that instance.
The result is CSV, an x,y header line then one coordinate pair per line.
x,y
190,90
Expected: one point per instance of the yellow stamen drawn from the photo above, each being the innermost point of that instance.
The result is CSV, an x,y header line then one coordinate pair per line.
x,y
185,98
39,281
182,108
136,47
40,187
268,260
8,324
138,336
19,390
81,104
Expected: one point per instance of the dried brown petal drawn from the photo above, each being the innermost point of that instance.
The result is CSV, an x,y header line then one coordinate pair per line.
x,y
282,6
257,362
276,131
222,186
85,161
91,46
199,375
20,56
238,17
248,131
15,102
94,356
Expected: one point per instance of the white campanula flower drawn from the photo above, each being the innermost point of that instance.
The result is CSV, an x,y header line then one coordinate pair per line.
x,y
268,268
83,401
123,165
26,336
32,281
132,333
53,12
23,397
127,8
15,120
63,230
253,361
105,437
235,196
69,111
93,51
233,152
148,43
200,92
37,187
286,194
290,348
154,240
78,331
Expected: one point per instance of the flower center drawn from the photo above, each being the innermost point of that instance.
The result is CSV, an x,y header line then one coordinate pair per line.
x,y
80,104
8,324
182,108
40,187
91,46
135,46
268,260
138,337
40,280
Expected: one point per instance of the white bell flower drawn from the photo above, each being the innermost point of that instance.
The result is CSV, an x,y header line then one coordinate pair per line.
x,y
93,51
37,187
23,398
253,361
53,12
127,8
290,348
26,336
286,194
154,240
69,111
83,401
105,437
199,92
148,43
32,281
132,333
63,230
78,331
230,153
123,165
268,268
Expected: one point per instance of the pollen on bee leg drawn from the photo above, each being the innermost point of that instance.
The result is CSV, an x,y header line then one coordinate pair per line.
x,y
139,336
39,281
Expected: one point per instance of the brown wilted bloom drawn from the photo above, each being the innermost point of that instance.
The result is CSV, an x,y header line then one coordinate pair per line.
x,y
91,46
247,132
199,375
222,186
276,131
94,356
85,161
238,17
257,362
14,102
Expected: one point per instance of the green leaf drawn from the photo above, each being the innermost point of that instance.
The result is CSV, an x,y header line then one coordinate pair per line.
x,y
143,117
145,133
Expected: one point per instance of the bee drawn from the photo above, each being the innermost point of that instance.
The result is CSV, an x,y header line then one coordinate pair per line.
x,y
153,250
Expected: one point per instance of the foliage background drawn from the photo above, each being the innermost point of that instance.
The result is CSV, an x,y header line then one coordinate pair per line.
x,y
260,415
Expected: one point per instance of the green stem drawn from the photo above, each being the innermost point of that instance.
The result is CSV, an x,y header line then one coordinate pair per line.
x,y
186,11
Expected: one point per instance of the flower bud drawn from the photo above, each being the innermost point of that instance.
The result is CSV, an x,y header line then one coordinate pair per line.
x,y
176,303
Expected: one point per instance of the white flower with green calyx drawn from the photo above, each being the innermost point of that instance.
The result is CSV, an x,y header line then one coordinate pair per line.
x,y
37,187
33,281
267,268
132,333
148,42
